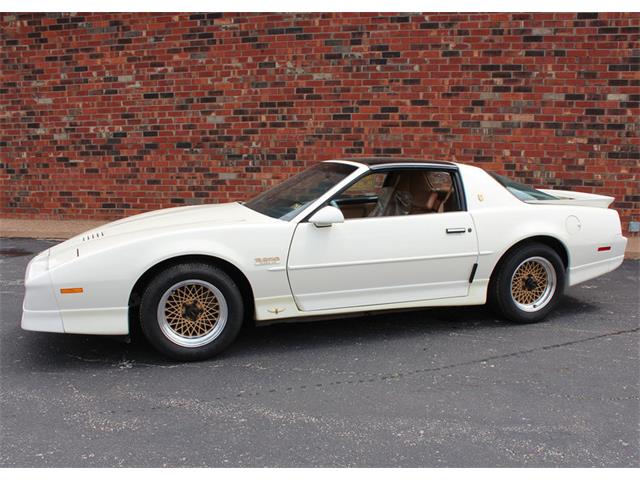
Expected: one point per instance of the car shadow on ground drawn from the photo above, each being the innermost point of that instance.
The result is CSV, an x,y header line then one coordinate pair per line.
x,y
55,351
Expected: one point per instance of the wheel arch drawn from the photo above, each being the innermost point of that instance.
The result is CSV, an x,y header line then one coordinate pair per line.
x,y
234,272
558,246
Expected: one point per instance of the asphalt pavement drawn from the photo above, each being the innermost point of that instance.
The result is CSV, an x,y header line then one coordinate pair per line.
x,y
453,387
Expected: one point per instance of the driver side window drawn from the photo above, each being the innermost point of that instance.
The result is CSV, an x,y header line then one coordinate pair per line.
x,y
401,192
360,199
367,186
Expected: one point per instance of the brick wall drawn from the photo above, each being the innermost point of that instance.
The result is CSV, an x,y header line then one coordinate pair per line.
x,y
106,115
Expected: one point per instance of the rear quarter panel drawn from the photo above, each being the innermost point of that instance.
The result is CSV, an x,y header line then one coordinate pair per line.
x,y
502,221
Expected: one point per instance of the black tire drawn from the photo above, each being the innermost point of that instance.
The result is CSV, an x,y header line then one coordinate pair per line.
x,y
528,256
206,278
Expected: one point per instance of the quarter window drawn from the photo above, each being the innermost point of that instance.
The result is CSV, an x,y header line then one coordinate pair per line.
x,y
520,190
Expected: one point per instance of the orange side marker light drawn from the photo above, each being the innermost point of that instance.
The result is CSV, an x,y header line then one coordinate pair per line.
x,y
71,290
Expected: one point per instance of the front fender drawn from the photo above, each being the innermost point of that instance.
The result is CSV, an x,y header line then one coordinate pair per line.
x,y
107,271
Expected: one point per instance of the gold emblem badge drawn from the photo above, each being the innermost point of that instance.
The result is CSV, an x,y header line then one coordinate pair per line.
x,y
267,260
276,310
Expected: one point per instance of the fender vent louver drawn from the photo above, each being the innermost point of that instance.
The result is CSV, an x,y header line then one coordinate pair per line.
x,y
92,236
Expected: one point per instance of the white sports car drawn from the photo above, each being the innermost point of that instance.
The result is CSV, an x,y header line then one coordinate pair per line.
x,y
343,236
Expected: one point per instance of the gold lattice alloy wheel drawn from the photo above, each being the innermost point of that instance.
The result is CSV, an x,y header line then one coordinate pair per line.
x,y
533,284
192,313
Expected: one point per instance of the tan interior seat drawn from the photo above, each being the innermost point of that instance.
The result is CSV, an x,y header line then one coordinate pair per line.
x,y
406,193
409,193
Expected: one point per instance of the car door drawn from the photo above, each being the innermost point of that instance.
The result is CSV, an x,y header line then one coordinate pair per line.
x,y
382,259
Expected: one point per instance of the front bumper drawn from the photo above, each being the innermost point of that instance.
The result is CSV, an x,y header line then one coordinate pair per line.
x,y
40,311
45,321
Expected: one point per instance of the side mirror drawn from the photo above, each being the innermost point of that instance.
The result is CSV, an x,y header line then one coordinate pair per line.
x,y
327,216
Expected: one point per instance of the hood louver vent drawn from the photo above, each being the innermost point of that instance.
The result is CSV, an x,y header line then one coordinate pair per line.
x,y
92,236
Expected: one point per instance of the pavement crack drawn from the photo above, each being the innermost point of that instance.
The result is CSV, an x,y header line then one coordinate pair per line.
x,y
370,378
124,363
87,360
537,349
398,375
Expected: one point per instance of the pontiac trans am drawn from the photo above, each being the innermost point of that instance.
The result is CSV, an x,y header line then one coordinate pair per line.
x,y
343,236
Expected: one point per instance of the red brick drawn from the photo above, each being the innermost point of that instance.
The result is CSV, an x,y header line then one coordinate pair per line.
x,y
115,114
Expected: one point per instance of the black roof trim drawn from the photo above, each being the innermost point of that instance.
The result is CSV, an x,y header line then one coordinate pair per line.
x,y
413,166
380,163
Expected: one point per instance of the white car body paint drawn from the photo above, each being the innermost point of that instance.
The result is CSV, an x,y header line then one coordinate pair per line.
x,y
381,260
296,269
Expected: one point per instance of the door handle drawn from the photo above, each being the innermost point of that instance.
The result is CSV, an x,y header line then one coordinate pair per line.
x,y
456,230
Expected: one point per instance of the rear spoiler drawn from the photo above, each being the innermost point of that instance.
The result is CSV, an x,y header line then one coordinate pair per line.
x,y
567,197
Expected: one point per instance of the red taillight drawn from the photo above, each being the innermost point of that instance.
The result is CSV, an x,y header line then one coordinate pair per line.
x,y
604,249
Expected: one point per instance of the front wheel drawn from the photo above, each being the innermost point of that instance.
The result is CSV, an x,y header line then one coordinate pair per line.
x,y
528,283
191,311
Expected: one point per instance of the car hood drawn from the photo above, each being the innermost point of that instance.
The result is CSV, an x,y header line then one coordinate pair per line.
x,y
156,222
181,216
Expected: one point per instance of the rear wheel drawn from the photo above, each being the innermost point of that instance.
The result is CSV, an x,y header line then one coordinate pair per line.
x,y
528,283
191,311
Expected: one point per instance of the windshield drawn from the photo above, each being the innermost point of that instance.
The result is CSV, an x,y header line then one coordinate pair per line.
x,y
286,200
521,191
